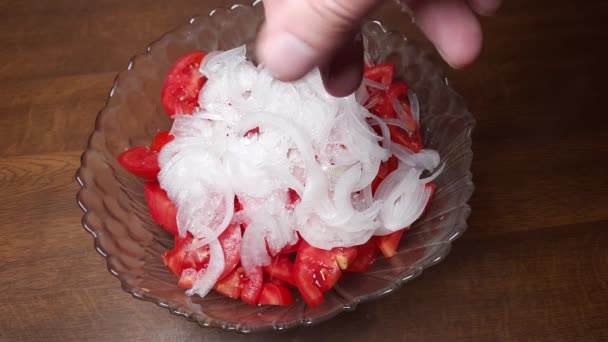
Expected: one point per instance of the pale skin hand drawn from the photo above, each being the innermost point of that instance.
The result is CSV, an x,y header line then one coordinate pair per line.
x,y
302,34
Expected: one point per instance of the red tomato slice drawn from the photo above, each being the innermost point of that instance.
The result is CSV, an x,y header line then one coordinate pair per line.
x,y
273,294
388,244
180,258
183,84
366,255
383,107
316,270
140,161
385,169
186,280
162,210
161,139
252,287
232,285
230,240
281,268
398,90
412,142
345,256
382,73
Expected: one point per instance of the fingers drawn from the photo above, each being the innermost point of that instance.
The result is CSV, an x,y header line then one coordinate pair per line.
x,y
343,74
299,35
485,7
452,27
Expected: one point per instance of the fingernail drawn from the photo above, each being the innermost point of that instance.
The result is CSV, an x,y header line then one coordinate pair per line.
x,y
286,56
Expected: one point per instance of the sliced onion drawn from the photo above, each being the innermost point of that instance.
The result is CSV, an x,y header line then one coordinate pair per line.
x,y
414,106
373,84
407,125
207,277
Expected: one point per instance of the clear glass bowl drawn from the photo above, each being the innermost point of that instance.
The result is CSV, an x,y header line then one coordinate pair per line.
x,y
115,211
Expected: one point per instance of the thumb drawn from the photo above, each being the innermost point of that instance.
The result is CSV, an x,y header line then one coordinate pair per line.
x,y
301,34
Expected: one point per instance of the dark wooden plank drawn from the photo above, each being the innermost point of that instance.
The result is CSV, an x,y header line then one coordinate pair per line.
x,y
533,265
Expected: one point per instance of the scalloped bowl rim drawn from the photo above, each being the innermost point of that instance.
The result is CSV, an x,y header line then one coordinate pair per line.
x,y
140,294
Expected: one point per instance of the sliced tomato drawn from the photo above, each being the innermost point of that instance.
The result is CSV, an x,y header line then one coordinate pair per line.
x,y
398,90
197,259
293,197
162,210
281,268
383,106
412,142
180,258
385,169
252,287
230,240
161,139
382,73
186,280
433,188
183,84
232,285
273,294
388,244
291,248
140,161
366,254
173,260
252,131
344,256
316,270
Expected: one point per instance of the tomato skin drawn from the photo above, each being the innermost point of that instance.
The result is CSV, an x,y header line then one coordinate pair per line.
x,y
273,294
382,73
162,210
316,271
160,140
252,287
281,268
398,90
230,239
366,254
140,161
232,285
183,84
388,244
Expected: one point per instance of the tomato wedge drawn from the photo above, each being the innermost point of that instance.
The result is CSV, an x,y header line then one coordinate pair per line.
x,y
281,268
252,287
398,90
316,270
161,139
345,256
366,254
183,84
140,161
388,244
232,285
230,239
385,169
412,142
180,258
186,280
382,73
162,210
273,294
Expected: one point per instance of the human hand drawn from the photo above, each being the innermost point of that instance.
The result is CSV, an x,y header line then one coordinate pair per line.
x,y
301,34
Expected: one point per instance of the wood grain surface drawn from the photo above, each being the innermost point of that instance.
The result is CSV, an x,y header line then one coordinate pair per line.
x,y
533,265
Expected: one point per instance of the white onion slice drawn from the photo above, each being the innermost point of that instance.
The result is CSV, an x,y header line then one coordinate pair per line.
x,y
414,106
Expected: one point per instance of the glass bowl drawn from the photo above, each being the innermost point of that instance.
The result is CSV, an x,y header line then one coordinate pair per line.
x,y
115,211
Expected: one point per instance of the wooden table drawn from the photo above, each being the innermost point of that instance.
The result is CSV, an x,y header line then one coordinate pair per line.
x,y
533,265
